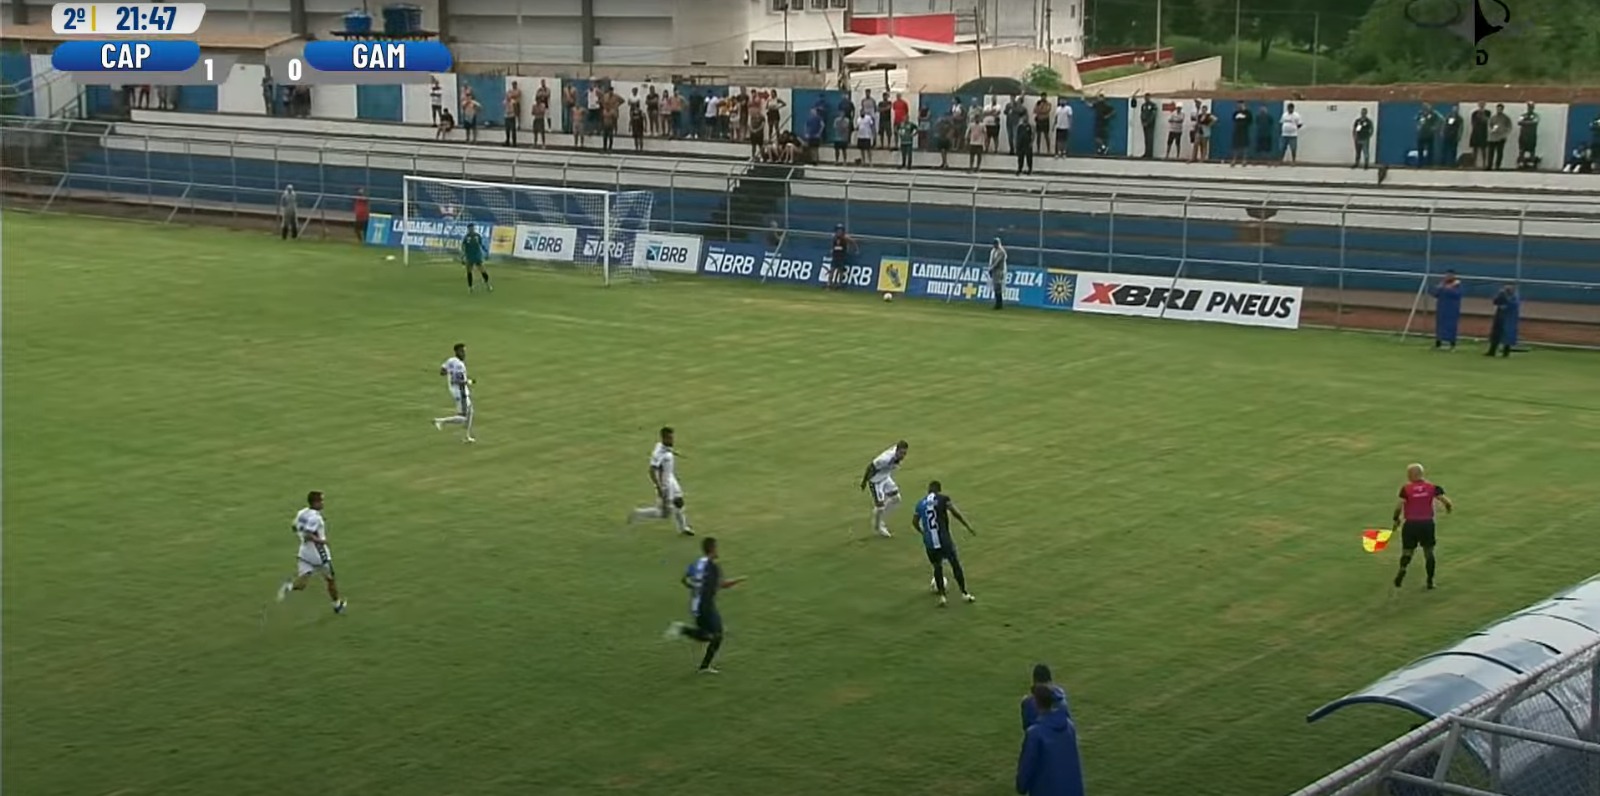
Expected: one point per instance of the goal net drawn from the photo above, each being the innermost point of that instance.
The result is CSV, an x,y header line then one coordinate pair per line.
x,y
526,223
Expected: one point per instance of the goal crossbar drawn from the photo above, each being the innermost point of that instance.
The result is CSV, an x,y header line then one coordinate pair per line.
x,y
527,221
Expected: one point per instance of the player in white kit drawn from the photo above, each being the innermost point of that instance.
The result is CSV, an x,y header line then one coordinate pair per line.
x,y
314,557
454,370
669,495
880,476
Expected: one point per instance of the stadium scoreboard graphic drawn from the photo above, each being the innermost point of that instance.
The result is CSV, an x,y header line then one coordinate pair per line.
x,y
146,43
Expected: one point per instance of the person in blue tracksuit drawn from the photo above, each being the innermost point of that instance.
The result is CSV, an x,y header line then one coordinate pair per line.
x,y
1503,329
1030,708
1049,764
1447,311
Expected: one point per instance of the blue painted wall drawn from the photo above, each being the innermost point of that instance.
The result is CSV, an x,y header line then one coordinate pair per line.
x,y
380,103
197,99
1579,118
490,91
16,69
1142,244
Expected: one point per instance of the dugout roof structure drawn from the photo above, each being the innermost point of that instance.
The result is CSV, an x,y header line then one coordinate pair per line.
x,y
43,38
1486,661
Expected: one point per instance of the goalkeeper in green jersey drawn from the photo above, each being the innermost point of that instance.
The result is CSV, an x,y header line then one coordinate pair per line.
x,y
472,251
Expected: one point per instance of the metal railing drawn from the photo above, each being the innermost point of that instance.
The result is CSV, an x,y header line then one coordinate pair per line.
x,y
1365,257
1537,736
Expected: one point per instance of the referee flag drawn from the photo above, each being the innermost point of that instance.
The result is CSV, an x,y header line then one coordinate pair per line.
x,y
1375,539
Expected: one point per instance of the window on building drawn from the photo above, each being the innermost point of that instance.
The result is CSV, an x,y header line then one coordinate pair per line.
x,y
780,5
819,5
1072,11
840,4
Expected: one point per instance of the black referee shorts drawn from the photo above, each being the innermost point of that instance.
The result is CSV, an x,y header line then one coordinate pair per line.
x,y
708,622
1416,532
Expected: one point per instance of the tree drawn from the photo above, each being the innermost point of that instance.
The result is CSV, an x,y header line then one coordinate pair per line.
x,y
1041,79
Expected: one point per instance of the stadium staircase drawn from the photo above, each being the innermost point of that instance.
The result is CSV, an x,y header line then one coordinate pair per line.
x,y
753,200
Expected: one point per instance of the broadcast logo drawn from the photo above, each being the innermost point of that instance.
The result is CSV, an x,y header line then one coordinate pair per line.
x,y
1470,20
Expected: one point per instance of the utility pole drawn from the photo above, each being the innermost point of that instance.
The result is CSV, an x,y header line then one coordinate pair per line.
x,y
889,12
977,23
1237,13
1158,32
1316,45
1049,37
788,48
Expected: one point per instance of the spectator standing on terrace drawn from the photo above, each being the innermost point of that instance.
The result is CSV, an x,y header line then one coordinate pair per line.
x,y
569,104
541,117
1478,137
541,95
1446,311
886,123
1263,130
1148,112
1063,127
363,211
1193,123
469,117
1024,148
1290,133
435,98
1043,119
1049,763
997,265
1450,149
1030,708
513,113
959,111
710,113
814,131
991,128
774,111
592,107
1528,139
1428,121
842,125
945,133
906,131
1361,136
866,133
1241,135
652,110
1499,131
674,122
1202,140
758,133
1175,133
1103,113
901,110
636,121
975,138
288,213
924,128
578,121
847,108
269,93
1015,112
610,114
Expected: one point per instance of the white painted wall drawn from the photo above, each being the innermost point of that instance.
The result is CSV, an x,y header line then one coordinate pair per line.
x,y
241,91
52,89
333,102
416,106
1326,138
272,16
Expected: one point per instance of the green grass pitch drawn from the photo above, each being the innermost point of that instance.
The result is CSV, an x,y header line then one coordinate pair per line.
x,y
1169,516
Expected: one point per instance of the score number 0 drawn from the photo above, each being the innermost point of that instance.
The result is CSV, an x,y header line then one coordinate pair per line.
x,y
296,70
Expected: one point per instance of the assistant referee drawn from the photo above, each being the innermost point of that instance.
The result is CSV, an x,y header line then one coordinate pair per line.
x,y
1416,509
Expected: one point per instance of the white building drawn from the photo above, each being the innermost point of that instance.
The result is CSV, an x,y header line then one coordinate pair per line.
x,y
645,32
1045,24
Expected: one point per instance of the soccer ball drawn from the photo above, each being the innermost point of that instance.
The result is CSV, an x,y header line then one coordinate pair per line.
x,y
888,297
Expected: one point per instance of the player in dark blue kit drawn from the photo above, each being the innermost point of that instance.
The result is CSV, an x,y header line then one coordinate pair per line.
x,y
932,520
704,580
472,251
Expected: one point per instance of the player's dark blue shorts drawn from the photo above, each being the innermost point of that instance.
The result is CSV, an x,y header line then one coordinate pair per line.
x,y
944,552
471,263
708,622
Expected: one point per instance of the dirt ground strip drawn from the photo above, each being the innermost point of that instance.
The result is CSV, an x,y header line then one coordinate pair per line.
x,y
1388,319
1414,92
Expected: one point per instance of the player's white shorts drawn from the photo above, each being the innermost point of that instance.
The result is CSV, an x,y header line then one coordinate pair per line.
x,y
462,396
883,491
305,567
671,490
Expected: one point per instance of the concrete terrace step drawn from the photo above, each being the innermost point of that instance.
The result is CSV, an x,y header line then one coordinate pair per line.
x,y
1081,171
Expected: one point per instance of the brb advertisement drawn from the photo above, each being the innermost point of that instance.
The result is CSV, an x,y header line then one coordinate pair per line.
x,y
751,261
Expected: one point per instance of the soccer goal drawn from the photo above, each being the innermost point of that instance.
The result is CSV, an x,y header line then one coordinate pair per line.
x,y
529,223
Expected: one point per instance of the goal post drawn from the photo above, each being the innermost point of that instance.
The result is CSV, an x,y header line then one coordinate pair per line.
x,y
583,227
